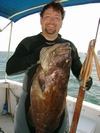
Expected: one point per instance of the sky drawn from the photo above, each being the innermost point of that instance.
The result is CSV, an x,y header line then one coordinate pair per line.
x,y
79,26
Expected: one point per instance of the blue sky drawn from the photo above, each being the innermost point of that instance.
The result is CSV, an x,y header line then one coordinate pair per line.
x,y
79,26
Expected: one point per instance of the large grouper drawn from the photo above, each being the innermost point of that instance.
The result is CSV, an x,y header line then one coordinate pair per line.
x,y
49,88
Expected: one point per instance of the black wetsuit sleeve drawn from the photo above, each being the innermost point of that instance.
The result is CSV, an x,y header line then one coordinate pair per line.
x,y
21,60
76,62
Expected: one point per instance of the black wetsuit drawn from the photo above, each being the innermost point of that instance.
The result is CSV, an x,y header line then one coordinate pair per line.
x,y
23,60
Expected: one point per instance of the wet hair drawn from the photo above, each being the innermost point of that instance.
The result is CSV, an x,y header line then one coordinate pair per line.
x,y
56,6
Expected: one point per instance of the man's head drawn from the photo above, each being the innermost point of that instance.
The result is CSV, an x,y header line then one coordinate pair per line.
x,y
56,6
51,19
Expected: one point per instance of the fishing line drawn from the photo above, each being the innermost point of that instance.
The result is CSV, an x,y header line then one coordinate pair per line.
x,y
97,29
87,65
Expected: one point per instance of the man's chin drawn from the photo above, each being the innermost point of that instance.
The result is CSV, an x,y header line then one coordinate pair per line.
x,y
51,32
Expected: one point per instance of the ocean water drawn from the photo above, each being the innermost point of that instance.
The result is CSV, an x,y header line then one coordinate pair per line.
x,y
92,96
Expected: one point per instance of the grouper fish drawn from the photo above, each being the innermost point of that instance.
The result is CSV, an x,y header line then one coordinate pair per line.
x,y
49,88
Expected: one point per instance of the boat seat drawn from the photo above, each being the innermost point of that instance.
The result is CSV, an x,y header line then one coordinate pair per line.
x,y
85,125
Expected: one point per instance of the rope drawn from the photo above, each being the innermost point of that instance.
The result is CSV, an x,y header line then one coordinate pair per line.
x,y
87,65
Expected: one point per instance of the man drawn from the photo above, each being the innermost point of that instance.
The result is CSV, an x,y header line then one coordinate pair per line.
x,y
25,60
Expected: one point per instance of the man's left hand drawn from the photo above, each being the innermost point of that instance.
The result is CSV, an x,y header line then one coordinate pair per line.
x,y
89,83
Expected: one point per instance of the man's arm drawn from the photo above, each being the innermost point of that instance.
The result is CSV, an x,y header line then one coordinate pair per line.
x,y
20,60
76,63
76,68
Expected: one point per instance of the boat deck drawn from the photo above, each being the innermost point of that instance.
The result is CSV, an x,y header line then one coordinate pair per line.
x,y
6,123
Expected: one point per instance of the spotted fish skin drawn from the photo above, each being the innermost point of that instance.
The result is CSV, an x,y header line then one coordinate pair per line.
x,y
49,88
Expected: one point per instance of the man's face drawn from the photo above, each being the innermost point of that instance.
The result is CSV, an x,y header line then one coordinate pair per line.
x,y
51,22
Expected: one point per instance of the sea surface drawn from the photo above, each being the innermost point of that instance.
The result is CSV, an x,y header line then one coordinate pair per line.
x,y
92,96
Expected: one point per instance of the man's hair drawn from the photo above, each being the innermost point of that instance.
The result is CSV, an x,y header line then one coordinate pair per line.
x,y
56,6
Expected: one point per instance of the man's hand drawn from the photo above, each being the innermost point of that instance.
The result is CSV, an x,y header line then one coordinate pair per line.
x,y
89,83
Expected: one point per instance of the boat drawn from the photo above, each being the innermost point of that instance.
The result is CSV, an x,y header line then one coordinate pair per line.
x,y
10,90
98,52
88,122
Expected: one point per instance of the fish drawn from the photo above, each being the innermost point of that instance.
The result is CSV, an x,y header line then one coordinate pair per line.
x,y
49,87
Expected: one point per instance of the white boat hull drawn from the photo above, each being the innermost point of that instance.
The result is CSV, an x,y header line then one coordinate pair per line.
x,y
90,114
